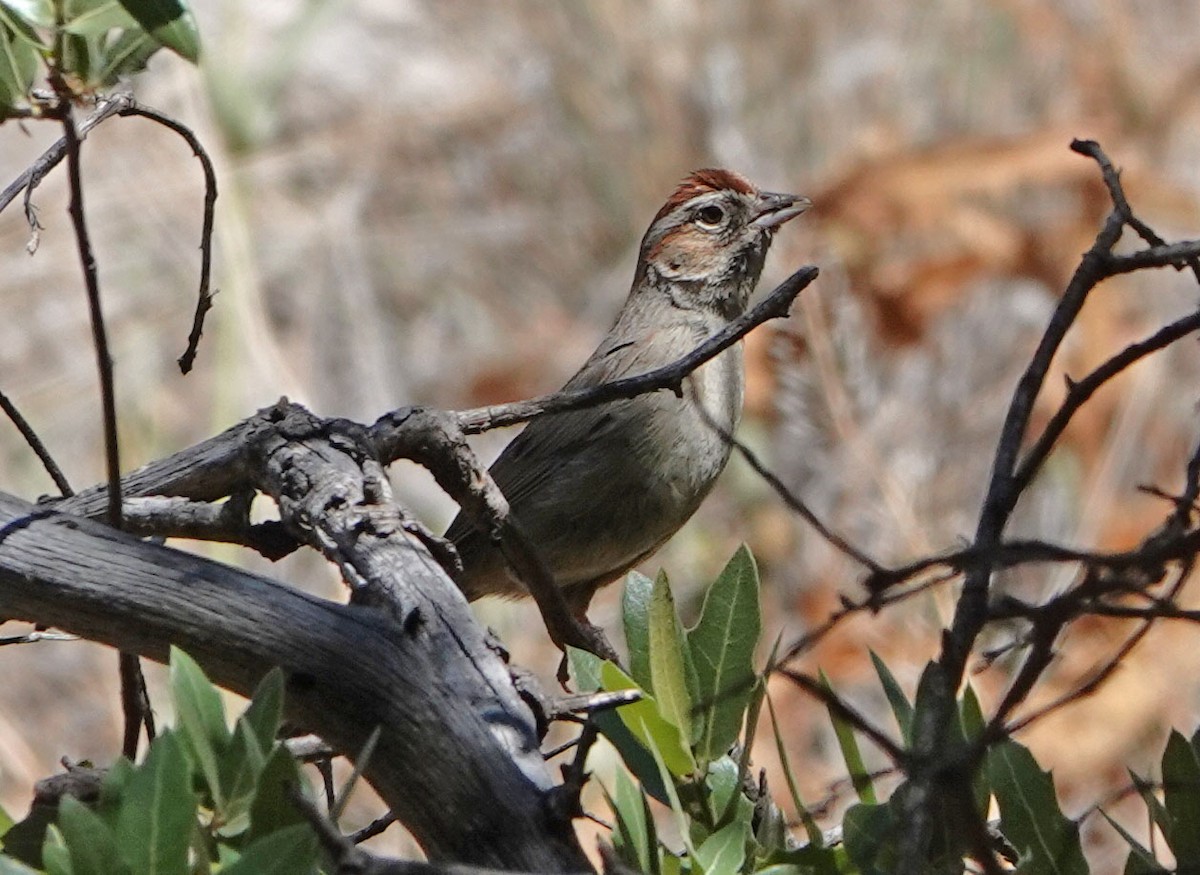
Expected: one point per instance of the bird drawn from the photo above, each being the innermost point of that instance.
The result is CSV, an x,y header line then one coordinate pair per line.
x,y
597,491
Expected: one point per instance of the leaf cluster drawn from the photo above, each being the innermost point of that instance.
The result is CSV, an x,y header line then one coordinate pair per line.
x,y
205,797
87,44
687,744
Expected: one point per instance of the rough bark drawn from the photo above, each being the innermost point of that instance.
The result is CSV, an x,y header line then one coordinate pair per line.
x,y
457,758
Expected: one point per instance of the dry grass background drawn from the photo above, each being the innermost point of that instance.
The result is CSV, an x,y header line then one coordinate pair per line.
x,y
441,202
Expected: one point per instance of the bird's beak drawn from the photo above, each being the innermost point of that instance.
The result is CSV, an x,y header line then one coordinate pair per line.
x,y
775,209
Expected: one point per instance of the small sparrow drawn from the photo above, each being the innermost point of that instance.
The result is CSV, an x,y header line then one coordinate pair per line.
x,y
599,490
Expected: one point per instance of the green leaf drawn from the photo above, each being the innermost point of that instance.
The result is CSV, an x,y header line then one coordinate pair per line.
x,y
635,612
724,850
170,22
677,809
288,851
869,836
56,859
724,785
22,25
112,790
90,842
158,810
901,708
240,766
970,716
97,19
634,838
808,860
1181,796
668,668
265,711
273,807
19,63
35,13
722,646
649,726
1029,814
126,55
5,822
201,720
815,836
859,776
585,671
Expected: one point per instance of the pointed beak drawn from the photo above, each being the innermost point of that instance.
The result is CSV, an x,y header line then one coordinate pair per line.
x,y
775,209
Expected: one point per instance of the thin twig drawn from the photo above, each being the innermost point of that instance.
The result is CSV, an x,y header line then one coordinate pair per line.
x,y
775,306
35,636
35,444
1112,179
32,175
204,300
797,505
134,699
372,829
840,708
91,279
1078,393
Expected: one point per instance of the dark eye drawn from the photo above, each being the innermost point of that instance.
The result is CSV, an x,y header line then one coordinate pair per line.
x,y
711,216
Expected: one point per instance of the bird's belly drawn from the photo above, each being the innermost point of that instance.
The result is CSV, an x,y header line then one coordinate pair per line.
x,y
649,473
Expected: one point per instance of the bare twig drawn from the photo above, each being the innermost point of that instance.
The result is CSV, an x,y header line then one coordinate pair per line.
x,y
1078,393
35,444
228,522
108,107
133,685
36,636
376,827
840,708
204,299
1009,479
1112,179
775,306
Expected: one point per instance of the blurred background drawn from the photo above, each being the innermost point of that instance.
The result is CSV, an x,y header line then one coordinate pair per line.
x,y
440,203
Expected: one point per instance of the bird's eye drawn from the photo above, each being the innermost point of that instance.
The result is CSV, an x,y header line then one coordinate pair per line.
x,y
710,216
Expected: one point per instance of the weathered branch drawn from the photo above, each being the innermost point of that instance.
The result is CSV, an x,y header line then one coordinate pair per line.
x,y
390,659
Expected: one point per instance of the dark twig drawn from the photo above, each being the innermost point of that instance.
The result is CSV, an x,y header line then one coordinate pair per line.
x,y
789,498
35,444
204,300
1186,504
1078,393
840,708
227,522
99,332
775,306
372,829
1007,554
1112,179
1005,487
797,505
133,685
565,801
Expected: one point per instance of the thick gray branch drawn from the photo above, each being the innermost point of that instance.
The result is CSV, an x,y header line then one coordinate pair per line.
x,y
457,759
